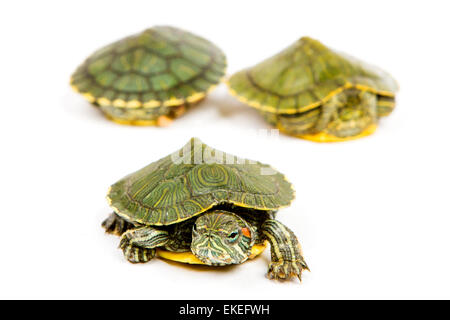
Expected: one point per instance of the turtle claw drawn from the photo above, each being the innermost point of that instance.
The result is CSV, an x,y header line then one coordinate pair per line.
x,y
135,254
284,270
115,225
139,255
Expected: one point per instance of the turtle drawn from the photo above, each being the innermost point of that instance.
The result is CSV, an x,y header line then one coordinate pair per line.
x,y
313,92
203,206
151,77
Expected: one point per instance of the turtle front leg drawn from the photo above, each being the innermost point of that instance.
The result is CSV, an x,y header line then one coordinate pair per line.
x,y
286,253
116,225
139,244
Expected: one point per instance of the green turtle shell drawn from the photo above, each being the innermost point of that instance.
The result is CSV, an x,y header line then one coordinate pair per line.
x,y
159,67
193,180
304,76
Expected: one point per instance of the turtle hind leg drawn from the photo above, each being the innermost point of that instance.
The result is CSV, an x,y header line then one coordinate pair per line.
x,y
139,245
349,115
286,255
166,120
116,225
385,105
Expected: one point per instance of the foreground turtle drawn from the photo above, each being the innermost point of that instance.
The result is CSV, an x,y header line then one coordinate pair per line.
x,y
151,77
194,208
315,93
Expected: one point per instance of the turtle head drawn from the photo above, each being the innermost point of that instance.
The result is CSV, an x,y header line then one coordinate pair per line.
x,y
221,238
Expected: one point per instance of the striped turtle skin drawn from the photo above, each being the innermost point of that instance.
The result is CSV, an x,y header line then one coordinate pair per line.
x,y
151,77
203,206
313,92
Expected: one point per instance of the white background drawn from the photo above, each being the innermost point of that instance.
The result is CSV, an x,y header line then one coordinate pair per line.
x,y
372,214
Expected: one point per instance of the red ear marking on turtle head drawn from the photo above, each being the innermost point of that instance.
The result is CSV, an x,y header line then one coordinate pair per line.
x,y
246,232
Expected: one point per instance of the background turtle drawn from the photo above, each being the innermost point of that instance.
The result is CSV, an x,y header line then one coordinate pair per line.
x,y
313,92
151,77
200,210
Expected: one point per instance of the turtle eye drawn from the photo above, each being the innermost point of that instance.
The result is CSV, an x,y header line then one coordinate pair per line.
x,y
233,236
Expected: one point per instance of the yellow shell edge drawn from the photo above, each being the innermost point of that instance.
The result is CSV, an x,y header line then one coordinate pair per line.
x,y
190,258
325,137
132,122
271,109
120,103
